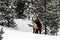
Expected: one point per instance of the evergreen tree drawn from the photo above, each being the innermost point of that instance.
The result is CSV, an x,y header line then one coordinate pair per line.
x,y
1,33
20,8
9,17
29,9
8,14
51,16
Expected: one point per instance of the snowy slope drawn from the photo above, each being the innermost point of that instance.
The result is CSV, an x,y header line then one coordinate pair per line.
x,y
22,24
11,34
23,34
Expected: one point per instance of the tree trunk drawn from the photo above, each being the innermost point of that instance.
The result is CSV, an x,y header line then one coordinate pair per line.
x,y
45,15
45,29
8,23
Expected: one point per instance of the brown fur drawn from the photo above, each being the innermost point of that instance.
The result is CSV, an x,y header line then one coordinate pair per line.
x,y
35,27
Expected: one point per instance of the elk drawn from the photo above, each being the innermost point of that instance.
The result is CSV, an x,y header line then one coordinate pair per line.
x,y
37,25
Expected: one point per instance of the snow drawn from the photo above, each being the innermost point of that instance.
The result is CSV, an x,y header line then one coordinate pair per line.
x,y
27,36
23,25
59,33
23,34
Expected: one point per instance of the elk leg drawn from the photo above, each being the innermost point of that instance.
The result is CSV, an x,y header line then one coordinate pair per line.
x,y
36,31
40,31
33,30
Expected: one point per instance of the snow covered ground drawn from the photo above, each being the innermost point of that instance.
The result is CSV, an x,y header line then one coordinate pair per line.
x,y
25,32
22,24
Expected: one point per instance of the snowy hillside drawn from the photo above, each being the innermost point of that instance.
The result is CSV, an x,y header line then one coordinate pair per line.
x,y
16,35
11,34
23,25
24,32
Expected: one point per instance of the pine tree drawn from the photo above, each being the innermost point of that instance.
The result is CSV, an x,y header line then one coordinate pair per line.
x,y
9,17
56,17
1,33
51,16
20,8
29,9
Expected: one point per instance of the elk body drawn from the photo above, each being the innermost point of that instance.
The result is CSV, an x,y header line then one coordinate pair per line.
x,y
37,26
